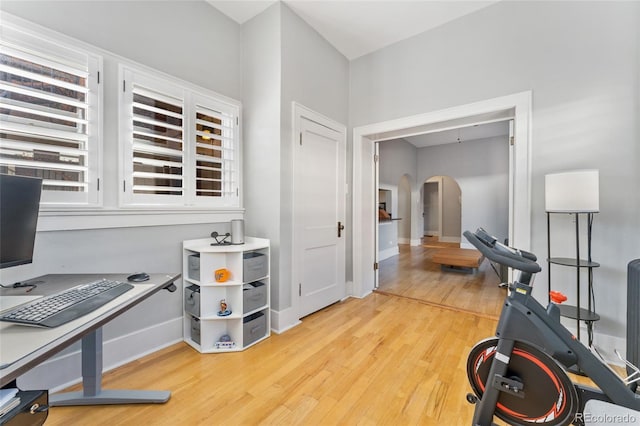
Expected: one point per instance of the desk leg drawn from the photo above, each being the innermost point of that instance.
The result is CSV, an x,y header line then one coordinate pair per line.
x,y
92,393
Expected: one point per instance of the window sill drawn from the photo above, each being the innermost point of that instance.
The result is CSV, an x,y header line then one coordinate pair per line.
x,y
77,219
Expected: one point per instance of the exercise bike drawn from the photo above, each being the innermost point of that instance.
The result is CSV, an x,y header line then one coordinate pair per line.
x,y
519,376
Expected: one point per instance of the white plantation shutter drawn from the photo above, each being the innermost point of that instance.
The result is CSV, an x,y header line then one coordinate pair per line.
x,y
216,163
49,116
152,114
157,144
179,148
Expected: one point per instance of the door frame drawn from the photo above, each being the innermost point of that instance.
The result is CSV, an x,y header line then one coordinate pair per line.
x,y
364,137
299,112
438,181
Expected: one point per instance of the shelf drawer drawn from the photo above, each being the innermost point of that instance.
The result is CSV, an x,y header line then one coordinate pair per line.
x,y
254,266
192,300
195,330
254,296
254,327
193,267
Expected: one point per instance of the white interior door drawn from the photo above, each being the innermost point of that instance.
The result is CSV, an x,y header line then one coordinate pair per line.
x,y
319,213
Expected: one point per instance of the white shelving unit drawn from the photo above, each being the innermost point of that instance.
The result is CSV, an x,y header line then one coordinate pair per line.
x,y
246,292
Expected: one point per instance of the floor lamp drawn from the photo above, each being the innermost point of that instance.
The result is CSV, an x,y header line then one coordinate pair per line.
x,y
574,192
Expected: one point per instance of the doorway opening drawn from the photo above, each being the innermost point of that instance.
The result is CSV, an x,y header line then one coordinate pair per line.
x,y
516,107
463,172
442,209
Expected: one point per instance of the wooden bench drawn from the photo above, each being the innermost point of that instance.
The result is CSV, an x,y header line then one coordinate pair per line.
x,y
458,259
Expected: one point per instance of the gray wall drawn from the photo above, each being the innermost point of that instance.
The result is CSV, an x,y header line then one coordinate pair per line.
x,y
405,189
431,208
315,75
480,168
266,63
261,79
188,39
397,158
300,66
451,209
187,53
580,59
397,164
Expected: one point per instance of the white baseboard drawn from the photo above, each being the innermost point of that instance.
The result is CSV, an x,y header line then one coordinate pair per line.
x,y
385,254
412,242
363,295
62,371
604,343
449,239
349,288
284,320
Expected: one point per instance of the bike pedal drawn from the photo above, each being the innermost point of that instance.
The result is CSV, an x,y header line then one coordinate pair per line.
x,y
509,386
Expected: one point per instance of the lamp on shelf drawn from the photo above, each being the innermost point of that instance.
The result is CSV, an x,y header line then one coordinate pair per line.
x,y
572,192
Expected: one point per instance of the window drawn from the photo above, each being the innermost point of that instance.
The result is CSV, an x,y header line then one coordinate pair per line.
x,y
50,106
179,146
215,152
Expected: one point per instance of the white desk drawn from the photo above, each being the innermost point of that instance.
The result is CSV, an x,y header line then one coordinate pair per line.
x,y
23,347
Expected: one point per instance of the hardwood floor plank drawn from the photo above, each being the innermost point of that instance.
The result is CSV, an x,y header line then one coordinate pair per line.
x,y
382,360
413,274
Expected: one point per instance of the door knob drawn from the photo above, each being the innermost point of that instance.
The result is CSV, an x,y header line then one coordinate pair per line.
x,y
340,228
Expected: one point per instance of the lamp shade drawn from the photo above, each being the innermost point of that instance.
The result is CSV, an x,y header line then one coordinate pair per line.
x,y
572,192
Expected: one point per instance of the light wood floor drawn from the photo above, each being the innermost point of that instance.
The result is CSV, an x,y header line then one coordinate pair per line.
x,y
412,274
381,360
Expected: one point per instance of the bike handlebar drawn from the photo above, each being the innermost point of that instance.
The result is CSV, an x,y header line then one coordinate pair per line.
x,y
488,245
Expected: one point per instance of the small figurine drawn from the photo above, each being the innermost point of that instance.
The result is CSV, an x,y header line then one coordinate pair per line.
x,y
224,308
225,342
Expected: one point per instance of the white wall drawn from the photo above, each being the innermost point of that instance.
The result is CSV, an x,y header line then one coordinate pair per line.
x,y
187,52
580,59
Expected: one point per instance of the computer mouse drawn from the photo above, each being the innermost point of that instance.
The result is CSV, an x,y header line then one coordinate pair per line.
x,y
138,277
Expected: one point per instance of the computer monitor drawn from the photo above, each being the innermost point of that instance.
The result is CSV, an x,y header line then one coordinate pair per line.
x,y
19,206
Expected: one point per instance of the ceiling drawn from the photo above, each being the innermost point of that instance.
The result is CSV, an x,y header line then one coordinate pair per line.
x,y
358,27
460,134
